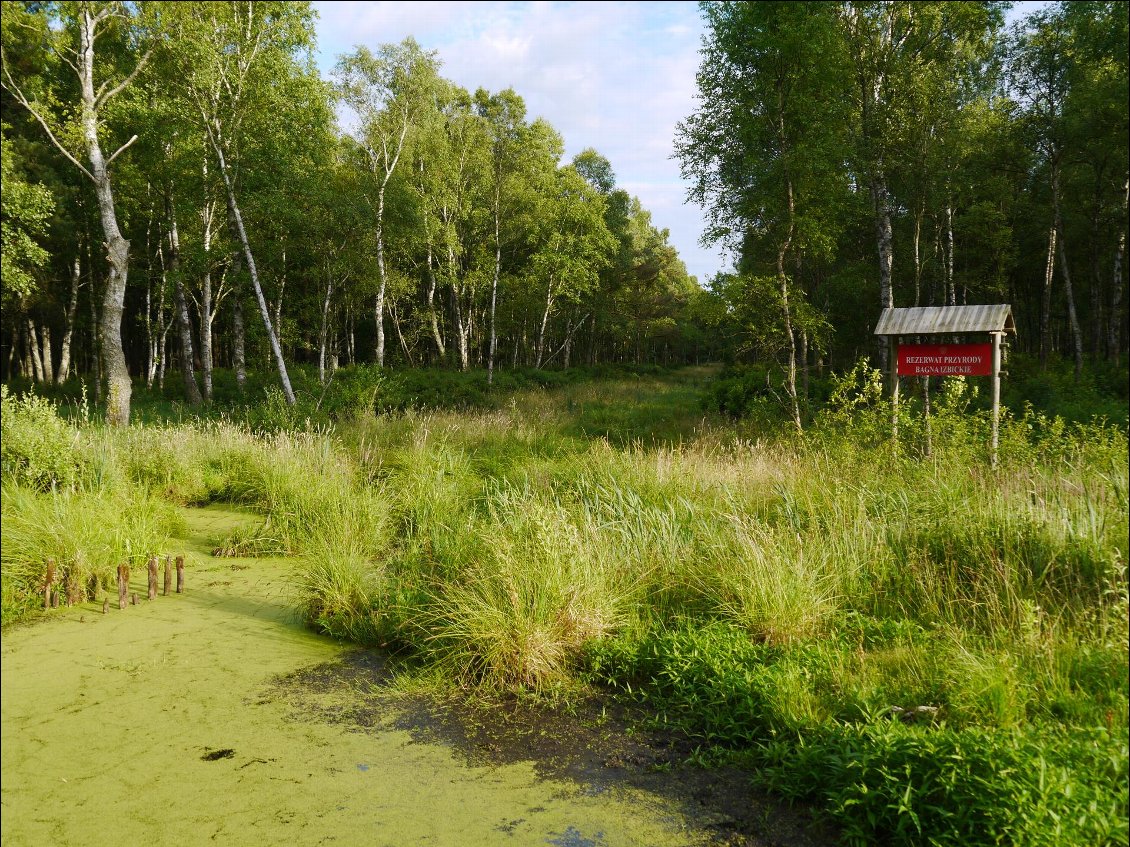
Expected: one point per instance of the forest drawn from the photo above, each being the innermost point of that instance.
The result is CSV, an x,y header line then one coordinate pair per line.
x,y
447,440
183,192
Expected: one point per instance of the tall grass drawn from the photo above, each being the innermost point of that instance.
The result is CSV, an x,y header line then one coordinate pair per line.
x,y
787,599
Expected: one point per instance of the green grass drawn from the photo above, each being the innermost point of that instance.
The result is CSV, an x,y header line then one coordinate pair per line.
x,y
781,598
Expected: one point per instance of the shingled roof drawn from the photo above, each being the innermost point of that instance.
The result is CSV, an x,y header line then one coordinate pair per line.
x,y
945,320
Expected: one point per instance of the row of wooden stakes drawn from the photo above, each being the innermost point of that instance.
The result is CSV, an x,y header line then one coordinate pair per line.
x,y
53,596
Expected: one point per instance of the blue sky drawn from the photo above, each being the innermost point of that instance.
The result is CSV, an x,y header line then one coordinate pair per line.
x,y
614,76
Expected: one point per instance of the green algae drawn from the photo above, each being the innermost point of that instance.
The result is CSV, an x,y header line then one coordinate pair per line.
x,y
157,725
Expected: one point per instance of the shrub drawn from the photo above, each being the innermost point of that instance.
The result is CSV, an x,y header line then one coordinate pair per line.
x,y
37,447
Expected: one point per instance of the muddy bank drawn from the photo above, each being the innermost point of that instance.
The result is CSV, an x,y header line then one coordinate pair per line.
x,y
216,717
598,747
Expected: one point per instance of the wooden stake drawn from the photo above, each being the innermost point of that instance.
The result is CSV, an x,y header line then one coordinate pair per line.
x,y
153,578
123,583
168,575
105,605
72,584
180,574
48,583
133,599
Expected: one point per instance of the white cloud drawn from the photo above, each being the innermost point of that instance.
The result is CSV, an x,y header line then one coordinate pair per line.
x,y
614,76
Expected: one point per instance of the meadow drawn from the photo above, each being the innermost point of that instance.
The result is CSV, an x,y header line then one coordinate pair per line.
x,y
925,648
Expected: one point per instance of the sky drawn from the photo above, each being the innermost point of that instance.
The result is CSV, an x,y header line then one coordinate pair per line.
x,y
614,76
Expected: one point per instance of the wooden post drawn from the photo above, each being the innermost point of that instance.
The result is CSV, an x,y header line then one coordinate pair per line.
x,y
123,585
153,578
895,390
180,574
72,584
996,389
168,575
48,582
105,605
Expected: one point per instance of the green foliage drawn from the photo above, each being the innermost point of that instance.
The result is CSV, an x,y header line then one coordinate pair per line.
x,y
37,447
25,209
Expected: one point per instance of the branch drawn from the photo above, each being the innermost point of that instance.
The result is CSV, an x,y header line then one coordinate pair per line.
x,y
104,95
569,335
120,149
11,86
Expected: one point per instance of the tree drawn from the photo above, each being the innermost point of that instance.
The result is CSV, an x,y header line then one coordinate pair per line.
x,y
75,43
387,91
234,60
762,78
572,241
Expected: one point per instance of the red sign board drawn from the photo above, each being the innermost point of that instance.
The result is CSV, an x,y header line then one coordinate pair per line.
x,y
945,359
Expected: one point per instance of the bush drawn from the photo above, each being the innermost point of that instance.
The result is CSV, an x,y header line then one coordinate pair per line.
x,y
37,447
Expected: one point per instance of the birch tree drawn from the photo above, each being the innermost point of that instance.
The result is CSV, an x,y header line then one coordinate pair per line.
x,y
232,59
74,129
387,92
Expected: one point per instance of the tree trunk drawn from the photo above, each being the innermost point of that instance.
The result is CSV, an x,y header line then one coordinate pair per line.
x,y
918,215
276,311
95,335
441,349
1046,302
379,307
33,349
238,330
790,338
1072,317
150,334
1114,332
48,363
206,313
494,296
119,387
392,311
324,333
180,304
880,199
72,309
951,290
544,322
233,209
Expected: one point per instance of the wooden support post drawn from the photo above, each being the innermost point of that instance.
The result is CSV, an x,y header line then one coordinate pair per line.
x,y
180,574
48,583
133,599
105,605
894,351
168,575
123,585
996,390
72,584
153,578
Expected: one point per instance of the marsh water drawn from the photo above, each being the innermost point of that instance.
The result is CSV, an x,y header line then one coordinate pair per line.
x,y
215,716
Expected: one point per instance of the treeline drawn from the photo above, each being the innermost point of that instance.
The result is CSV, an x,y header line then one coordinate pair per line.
x,y
856,156
178,197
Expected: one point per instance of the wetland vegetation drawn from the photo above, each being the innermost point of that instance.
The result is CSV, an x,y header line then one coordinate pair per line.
x,y
922,648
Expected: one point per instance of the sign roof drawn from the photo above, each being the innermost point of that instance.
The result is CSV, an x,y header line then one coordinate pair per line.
x,y
940,320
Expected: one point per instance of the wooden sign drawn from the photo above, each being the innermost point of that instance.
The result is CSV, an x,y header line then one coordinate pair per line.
x,y
945,359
